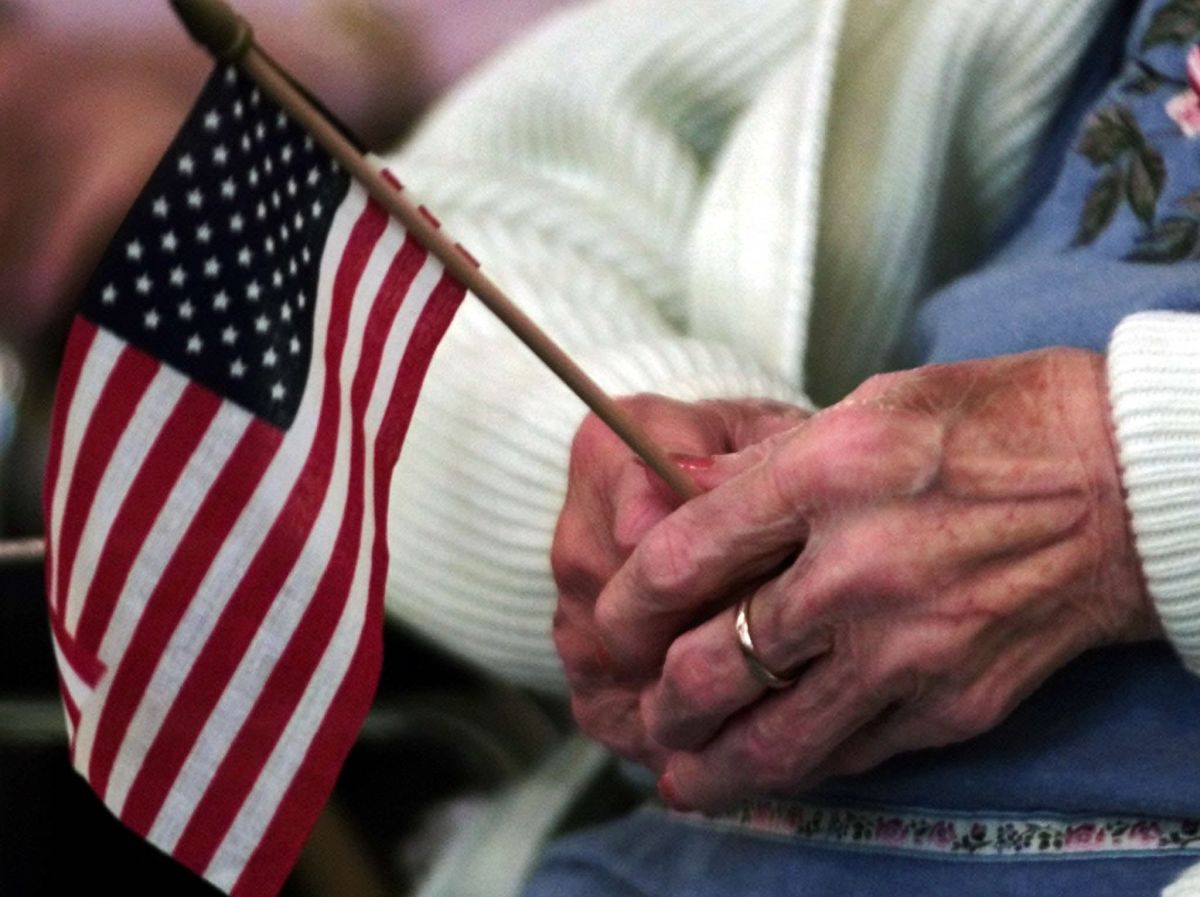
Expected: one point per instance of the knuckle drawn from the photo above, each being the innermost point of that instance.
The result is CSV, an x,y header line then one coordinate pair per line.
x,y
665,560
634,517
583,710
609,617
592,432
576,576
578,652
564,564
877,386
771,754
687,678
968,716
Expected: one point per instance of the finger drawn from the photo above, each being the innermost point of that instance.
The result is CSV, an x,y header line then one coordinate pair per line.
x,y
866,566
640,500
609,714
745,527
709,472
588,548
775,747
691,562
706,679
612,500
751,421
989,676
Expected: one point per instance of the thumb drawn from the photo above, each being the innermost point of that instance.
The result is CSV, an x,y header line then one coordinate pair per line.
x,y
710,471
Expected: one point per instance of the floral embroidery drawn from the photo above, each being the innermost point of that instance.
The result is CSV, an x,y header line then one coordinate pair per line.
x,y
1177,22
964,835
1133,171
1173,239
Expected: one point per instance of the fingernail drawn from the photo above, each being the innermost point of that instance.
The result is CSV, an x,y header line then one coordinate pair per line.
x,y
692,462
659,486
669,794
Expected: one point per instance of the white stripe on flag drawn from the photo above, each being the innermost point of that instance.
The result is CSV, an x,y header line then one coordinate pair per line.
x,y
286,610
241,546
127,459
172,522
268,792
102,356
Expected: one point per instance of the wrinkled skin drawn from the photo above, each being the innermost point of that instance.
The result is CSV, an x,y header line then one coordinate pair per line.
x,y
613,500
923,554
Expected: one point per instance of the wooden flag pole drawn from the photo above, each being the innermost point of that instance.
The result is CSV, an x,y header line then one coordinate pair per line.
x,y
230,39
22,551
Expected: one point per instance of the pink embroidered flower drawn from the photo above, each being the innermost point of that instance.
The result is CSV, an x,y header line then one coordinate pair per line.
x,y
1085,835
943,833
1184,108
890,831
1145,831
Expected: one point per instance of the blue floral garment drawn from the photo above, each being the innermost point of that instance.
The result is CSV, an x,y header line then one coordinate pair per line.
x,y
1090,787
1119,233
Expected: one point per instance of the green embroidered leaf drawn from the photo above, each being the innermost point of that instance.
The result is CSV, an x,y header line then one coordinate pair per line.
x,y
1176,22
1170,241
1141,82
1145,182
1099,208
1108,133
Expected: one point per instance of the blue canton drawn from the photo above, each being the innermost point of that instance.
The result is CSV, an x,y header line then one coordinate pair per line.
x,y
215,269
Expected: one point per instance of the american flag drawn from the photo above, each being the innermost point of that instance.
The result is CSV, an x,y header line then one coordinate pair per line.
x,y
233,398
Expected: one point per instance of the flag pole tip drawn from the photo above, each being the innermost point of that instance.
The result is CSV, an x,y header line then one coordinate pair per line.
x,y
214,25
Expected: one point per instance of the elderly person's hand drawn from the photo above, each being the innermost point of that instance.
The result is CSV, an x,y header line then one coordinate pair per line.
x,y
612,501
950,537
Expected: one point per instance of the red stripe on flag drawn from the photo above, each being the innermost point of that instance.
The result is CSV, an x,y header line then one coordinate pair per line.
x,y
290,677
87,666
271,861
173,448
131,377
242,618
79,343
314,780
205,535
427,333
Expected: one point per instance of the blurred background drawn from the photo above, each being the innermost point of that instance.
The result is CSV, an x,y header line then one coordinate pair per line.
x,y
445,778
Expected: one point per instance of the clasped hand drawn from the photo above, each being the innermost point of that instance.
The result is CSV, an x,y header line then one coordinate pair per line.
x,y
922,556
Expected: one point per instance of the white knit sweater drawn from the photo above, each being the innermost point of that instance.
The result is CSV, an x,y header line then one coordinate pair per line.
x,y
715,197
695,197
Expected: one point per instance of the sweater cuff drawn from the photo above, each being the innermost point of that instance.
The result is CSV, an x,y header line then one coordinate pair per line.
x,y
1154,385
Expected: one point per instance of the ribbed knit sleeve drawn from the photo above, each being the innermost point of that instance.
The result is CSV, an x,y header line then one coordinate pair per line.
x,y
570,167
1154,379
1187,885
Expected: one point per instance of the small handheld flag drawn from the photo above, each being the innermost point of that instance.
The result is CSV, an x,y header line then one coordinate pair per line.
x,y
233,398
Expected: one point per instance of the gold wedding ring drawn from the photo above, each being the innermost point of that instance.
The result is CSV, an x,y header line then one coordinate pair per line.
x,y
758,669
